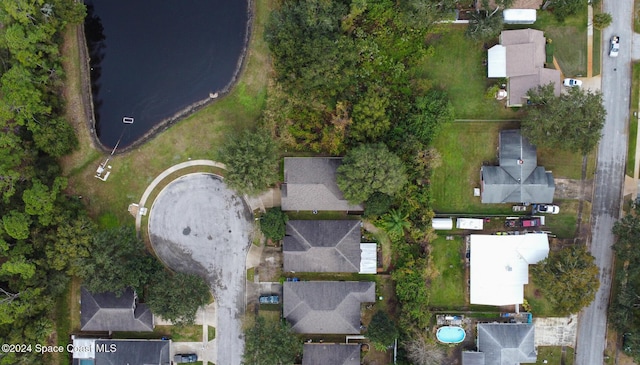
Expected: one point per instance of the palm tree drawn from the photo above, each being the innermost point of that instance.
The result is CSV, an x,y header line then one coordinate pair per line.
x,y
395,223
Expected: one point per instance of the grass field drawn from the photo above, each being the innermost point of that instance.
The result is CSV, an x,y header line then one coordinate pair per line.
x,y
540,307
597,51
633,122
455,64
446,271
197,137
192,333
564,224
552,355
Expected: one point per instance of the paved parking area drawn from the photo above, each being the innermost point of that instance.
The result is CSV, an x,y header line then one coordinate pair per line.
x,y
197,225
556,331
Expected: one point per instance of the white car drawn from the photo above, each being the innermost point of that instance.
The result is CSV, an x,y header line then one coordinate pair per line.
x,y
572,83
546,209
615,46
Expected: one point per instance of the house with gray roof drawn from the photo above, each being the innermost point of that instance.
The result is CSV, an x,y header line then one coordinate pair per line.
x,y
310,184
333,354
326,246
518,178
503,344
326,307
92,351
520,57
108,312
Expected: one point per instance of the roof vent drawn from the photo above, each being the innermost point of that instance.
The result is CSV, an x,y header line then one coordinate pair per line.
x,y
520,161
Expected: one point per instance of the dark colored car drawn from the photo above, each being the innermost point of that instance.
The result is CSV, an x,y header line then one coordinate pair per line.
x,y
185,358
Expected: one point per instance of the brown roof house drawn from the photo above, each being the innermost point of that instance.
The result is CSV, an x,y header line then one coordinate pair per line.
x,y
108,312
327,246
310,184
326,307
503,344
520,57
518,178
331,354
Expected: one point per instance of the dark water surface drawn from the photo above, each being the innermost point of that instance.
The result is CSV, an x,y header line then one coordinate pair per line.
x,y
153,58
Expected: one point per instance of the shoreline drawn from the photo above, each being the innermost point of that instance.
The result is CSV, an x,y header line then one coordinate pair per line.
x,y
163,125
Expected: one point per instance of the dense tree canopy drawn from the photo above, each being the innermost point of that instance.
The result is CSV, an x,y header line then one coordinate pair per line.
x,y
273,224
369,169
571,121
251,160
177,297
624,311
271,343
382,332
568,279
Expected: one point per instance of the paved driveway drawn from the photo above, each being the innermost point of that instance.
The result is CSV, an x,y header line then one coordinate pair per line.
x,y
616,88
197,225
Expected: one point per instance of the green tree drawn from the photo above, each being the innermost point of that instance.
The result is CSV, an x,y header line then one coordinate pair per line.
x,y
571,121
485,24
395,223
382,332
270,343
117,260
16,224
602,20
368,169
273,224
561,9
370,120
431,112
411,291
177,297
70,244
377,204
251,160
568,279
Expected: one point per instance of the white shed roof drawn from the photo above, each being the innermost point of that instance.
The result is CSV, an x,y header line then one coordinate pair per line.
x,y
497,61
470,223
368,258
442,223
500,266
519,16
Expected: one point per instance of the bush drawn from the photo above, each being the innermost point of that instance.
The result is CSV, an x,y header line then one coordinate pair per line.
x,y
377,205
602,20
273,224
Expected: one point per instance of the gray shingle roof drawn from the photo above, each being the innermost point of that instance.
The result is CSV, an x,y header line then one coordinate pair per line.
x,y
322,246
326,307
472,358
310,184
518,179
135,352
507,343
107,312
331,354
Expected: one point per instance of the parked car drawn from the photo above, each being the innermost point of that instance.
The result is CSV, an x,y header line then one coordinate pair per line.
x,y
546,209
269,299
185,358
572,83
615,46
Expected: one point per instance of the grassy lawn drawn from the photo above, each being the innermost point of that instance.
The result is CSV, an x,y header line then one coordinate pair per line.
x,y
553,355
564,223
540,307
251,274
633,122
191,333
569,39
636,16
211,333
597,51
446,271
456,65
62,319
197,137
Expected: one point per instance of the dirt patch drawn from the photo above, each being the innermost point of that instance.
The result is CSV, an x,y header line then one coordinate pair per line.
x,y
573,189
270,268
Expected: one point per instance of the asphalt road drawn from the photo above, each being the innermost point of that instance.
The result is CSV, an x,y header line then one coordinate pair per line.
x,y
197,225
609,180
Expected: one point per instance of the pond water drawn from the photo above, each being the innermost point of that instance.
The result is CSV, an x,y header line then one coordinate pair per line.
x,y
450,334
152,59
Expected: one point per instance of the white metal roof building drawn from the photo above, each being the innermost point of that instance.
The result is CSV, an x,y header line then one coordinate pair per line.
x,y
500,266
519,16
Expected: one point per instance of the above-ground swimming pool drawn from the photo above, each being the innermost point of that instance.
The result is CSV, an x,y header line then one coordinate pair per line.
x,y
450,334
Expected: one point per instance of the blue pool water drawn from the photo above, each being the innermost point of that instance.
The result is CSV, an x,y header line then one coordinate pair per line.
x,y
450,334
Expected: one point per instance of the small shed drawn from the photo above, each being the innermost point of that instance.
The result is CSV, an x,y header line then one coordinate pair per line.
x,y
519,16
368,258
442,224
470,223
